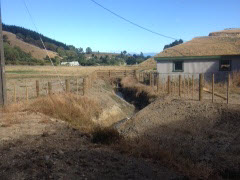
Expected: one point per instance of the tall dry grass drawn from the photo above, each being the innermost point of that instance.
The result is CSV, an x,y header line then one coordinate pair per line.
x,y
130,82
79,111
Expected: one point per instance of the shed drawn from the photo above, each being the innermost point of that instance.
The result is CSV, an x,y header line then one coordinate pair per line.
x,y
217,53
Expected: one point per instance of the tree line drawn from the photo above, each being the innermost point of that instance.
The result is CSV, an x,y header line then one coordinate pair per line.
x,y
14,55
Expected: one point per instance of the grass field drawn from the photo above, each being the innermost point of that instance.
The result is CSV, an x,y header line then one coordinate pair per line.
x,y
20,77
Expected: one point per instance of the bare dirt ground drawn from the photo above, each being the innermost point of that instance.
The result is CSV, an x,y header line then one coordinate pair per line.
x,y
35,146
203,133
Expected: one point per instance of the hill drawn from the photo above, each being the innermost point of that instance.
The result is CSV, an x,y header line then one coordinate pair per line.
x,y
35,51
32,37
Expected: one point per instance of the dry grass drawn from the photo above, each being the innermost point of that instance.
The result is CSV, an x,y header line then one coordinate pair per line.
x,y
139,88
63,71
143,148
35,51
149,63
206,46
79,111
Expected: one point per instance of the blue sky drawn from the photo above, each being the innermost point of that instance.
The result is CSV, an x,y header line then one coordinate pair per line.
x,y
83,24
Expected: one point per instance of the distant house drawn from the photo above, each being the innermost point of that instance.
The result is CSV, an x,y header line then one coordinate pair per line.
x,y
217,53
73,63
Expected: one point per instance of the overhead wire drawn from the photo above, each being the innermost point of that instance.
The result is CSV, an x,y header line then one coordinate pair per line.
x,y
37,30
133,23
146,29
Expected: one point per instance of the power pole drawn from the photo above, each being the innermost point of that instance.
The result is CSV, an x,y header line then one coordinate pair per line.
x,y
3,94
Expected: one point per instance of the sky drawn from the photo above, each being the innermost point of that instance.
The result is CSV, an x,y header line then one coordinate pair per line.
x,y
84,24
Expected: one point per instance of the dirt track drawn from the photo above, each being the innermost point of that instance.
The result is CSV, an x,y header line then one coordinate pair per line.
x,y
34,146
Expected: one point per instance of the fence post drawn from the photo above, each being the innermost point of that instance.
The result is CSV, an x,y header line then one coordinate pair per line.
x,y
77,86
125,73
26,90
180,85
200,87
192,85
37,88
109,73
188,86
158,83
168,84
212,87
49,88
15,94
228,86
67,85
84,86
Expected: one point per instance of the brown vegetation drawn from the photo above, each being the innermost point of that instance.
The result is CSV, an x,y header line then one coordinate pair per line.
x,y
35,51
79,111
229,44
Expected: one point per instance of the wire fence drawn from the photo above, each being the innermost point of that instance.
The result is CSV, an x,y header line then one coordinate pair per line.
x,y
214,87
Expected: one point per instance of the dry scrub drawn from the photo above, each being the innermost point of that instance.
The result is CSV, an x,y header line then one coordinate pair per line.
x,y
137,93
79,111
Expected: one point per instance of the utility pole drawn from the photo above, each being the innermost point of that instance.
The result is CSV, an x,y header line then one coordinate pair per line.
x,y
3,94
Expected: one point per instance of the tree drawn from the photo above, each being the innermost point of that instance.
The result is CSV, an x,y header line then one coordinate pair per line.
x,y
88,50
175,43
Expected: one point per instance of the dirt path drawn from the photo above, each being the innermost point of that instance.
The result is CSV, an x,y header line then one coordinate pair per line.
x,y
34,146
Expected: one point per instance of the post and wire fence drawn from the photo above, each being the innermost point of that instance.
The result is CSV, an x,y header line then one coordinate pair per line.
x,y
223,87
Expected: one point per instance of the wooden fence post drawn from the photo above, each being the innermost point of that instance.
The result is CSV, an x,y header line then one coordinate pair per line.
x,y
180,85
192,86
77,86
67,85
49,88
213,87
37,88
168,84
188,86
150,79
200,87
84,86
26,90
158,83
228,87
15,94
109,73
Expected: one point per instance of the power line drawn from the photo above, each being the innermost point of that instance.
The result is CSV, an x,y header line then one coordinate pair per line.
x,y
31,17
133,23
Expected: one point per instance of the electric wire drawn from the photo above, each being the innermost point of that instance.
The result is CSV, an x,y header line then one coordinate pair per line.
x,y
36,28
133,23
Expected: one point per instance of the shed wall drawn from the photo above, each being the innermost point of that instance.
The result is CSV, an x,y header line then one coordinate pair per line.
x,y
196,66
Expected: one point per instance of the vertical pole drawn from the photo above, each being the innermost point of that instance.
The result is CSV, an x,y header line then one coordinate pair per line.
x,y
26,90
37,88
168,84
192,85
188,86
125,73
158,84
84,86
15,94
67,85
150,79
200,87
228,86
109,73
3,93
77,86
49,88
213,87
184,85
180,85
